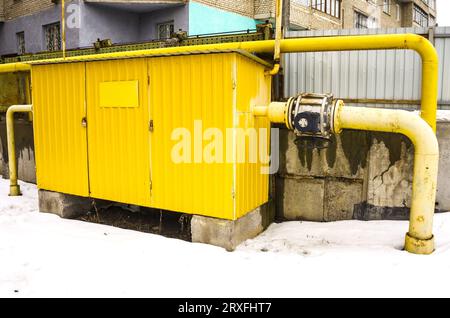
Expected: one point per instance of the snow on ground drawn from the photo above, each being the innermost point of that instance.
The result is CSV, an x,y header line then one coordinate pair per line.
x,y
43,255
443,115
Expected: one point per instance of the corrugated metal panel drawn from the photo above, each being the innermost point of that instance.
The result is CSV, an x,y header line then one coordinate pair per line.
x,y
119,164
185,89
253,88
130,160
60,140
391,74
442,43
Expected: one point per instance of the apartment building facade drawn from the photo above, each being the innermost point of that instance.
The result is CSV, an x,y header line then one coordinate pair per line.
x,y
29,26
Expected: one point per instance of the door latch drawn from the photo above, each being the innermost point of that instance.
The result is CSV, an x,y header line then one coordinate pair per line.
x,y
151,126
84,122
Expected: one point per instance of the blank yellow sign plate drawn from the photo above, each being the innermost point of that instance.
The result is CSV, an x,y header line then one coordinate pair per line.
x,y
119,94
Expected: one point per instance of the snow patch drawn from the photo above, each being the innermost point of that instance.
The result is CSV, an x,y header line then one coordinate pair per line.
x,y
43,255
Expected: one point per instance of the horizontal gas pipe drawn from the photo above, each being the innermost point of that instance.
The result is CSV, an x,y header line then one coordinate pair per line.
x,y
14,67
14,189
340,43
419,239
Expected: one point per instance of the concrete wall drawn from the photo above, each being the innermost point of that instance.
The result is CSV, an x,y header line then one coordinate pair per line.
x,y
107,23
96,21
32,25
24,149
12,93
12,90
363,175
148,22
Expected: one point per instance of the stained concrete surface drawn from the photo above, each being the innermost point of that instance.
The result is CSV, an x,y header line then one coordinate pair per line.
x,y
362,175
24,149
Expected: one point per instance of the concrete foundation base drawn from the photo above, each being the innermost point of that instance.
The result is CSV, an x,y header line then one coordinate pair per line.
x,y
229,234
64,205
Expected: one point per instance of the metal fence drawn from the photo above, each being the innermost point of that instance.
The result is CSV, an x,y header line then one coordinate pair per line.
x,y
368,78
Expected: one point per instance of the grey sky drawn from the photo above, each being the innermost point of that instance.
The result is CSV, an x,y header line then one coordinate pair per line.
x,y
443,12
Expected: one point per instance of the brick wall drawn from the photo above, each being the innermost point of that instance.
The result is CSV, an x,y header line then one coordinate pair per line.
x,y
264,9
244,7
301,17
306,18
389,20
17,8
408,11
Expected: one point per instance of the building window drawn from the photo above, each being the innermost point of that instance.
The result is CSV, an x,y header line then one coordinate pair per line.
x,y
430,3
20,43
165,30
360,20
420,17
387,6
398,12
331,7
52,33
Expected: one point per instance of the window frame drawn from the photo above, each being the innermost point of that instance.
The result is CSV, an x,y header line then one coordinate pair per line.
x,y
330,7
54,28
170,24
20,42
357,22
387,7
418,12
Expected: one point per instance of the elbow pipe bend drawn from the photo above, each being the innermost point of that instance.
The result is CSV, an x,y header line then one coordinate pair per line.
x,y
13,175
419,239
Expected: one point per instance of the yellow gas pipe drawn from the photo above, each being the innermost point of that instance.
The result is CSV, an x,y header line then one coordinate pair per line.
x,y
14,189
14,67
340,43
278,36
419,239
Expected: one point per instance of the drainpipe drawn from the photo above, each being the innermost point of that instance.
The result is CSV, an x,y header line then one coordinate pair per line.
x,y
278,36
14,186
316,117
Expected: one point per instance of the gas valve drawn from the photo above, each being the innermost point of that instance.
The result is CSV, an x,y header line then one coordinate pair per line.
x,y
310,116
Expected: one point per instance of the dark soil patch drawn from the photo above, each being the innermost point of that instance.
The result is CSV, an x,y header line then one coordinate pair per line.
x,y
168,224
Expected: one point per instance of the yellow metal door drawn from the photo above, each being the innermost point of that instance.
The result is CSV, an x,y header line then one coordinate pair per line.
x,y
118,131
190,96
59,134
